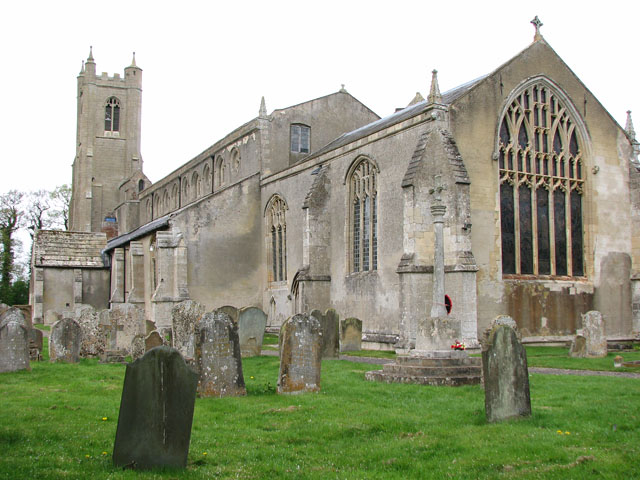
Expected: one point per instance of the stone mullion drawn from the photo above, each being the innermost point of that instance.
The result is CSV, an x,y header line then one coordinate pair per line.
x,y
567,216
516,218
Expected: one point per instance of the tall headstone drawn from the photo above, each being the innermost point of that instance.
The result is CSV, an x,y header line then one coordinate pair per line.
x,y
330,336
231,311
64,341
506,376
185,315
594,332
251,325
94,339
350,335
218,357
14,344
300,355
156,412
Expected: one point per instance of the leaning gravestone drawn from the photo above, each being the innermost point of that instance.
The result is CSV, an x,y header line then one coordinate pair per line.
x,y
330,337
94,339
300,355
251,325
593,331
578,348
231,311
14,344
350,335
156,412
64,341
218,357
506,376
185,315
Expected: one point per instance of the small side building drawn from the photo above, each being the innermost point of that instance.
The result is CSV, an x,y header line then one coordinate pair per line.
x,y
67,271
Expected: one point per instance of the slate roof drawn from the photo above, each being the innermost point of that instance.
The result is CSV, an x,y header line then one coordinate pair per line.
x,y
56,248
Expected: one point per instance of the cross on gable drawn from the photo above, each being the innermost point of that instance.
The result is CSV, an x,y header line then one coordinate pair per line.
x,y
537,24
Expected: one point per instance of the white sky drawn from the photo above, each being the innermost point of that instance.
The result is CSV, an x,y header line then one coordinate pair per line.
x,y
205,65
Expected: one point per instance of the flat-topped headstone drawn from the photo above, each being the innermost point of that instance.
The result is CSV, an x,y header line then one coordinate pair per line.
x,y
251,325
156,412
94,339
594,332
506,376
218,357
153,340
137,347
330,337
578,348
14,344
350,335
64,341
185,315
300,355
35,344
126,321
231,311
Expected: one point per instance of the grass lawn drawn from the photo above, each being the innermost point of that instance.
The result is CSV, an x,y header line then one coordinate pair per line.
x,y
558,357
52,426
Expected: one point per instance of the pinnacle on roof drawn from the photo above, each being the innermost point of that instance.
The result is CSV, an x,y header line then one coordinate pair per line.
x,y
629,126
417,99
537,24
263,108
90,58
82,69
434,92
133,61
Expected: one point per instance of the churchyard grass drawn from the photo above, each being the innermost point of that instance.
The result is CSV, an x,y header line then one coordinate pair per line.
x,y
371,354
558,357
59,421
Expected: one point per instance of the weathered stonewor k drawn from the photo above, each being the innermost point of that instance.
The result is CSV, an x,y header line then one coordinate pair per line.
x,y
14,342
300,355
218,356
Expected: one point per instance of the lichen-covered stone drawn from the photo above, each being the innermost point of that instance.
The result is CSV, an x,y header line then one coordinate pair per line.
x,y
64,341
94,339
300,355
230,310
125,322
185,315
14,344
350,335
578,348
137,347
251,324
506,376
156,412
330,337
594,332
218,357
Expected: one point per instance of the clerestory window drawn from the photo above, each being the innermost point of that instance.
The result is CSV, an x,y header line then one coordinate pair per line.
x,y
541,186
112,115
363,217
277,239
300,138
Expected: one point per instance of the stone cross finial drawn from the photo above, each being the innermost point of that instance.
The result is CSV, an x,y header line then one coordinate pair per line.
x,y
537,24
437,189
434,92
629,126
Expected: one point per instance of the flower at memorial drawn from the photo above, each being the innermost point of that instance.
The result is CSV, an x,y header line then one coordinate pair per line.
x,y
458,346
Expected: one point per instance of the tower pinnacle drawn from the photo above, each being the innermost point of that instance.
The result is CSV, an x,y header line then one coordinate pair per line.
x,y
434,92
263,108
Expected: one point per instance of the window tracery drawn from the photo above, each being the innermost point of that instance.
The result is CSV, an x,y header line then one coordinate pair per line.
x,y
363,217
277,239
112,115
541,186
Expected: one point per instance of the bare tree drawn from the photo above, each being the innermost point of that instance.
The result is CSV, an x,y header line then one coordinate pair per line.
x,y
38,210
61,199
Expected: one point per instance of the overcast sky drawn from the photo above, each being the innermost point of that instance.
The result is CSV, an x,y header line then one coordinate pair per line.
x,y
206,66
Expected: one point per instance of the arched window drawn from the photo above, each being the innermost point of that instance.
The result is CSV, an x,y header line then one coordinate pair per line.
x,y
541,185
363,216
112,115
196,186
277,239
140,185
219,172
185,190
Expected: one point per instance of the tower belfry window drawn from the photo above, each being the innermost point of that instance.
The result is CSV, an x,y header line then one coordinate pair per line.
x,y
112,115
541,186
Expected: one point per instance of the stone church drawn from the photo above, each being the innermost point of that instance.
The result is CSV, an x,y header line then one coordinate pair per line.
x,y
326,205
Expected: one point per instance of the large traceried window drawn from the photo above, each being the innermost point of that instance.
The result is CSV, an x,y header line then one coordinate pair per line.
x,y
277,239
363,217
112,115
541,186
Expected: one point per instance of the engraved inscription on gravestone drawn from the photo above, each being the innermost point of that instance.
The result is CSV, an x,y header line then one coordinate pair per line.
x,y
300,355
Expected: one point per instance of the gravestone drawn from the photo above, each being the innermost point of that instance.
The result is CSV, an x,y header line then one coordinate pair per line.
x,y
126,321
594,332
35,344
153,340
156,412
231,311
218,357
578,348
330,337
506,376
64,341
300,355
137,347
51,317
14,343
251,325
350,335
94,339
185,315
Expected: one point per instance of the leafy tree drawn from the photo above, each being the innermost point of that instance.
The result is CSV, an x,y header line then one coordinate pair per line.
x,y
11,216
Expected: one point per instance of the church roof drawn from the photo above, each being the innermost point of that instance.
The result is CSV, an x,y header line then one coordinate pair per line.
x,y
56,248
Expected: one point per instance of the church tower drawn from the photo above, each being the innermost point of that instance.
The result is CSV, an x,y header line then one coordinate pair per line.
x,y
107,143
